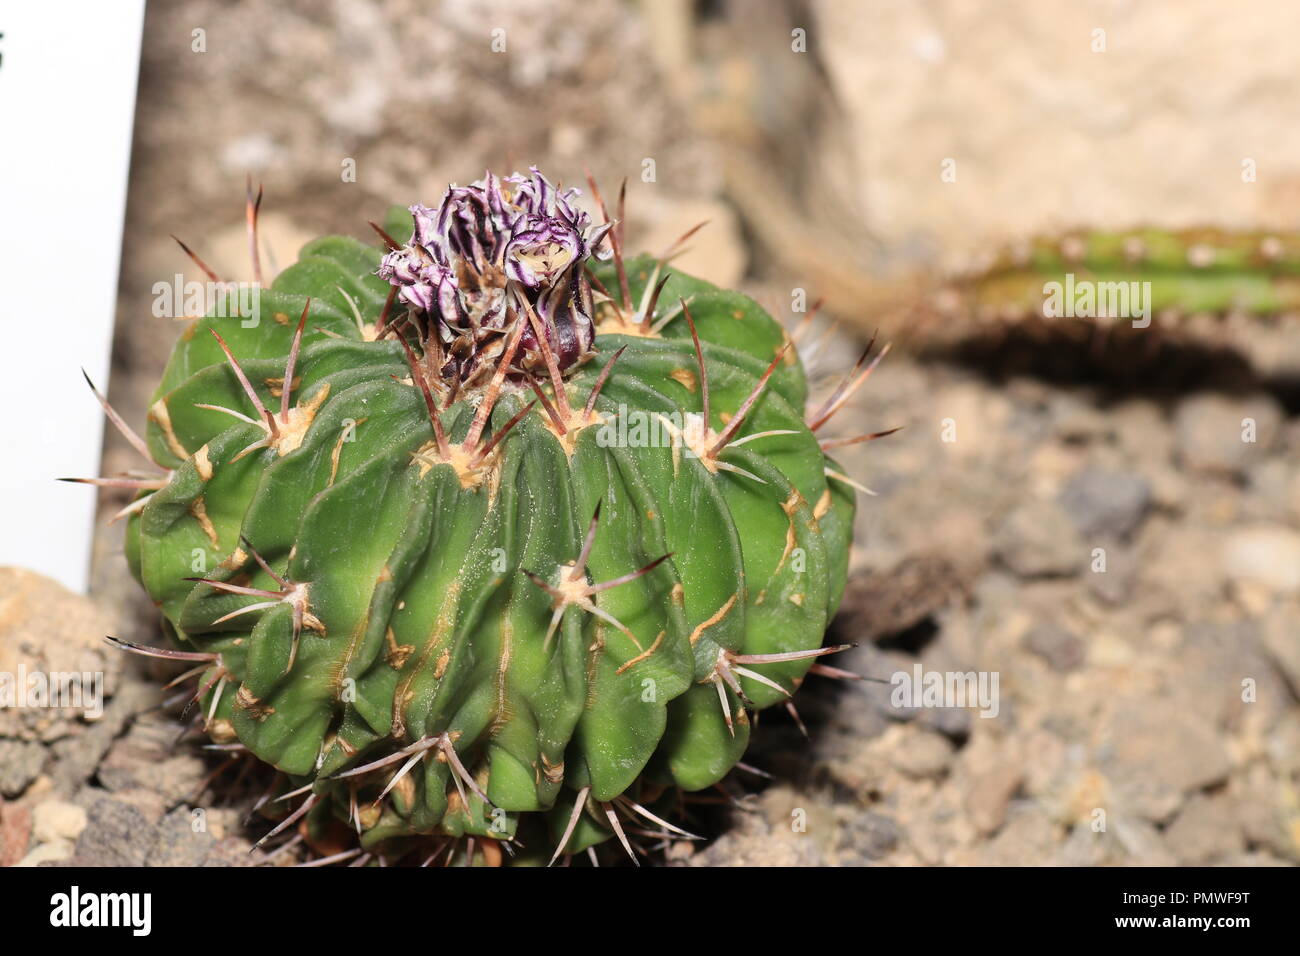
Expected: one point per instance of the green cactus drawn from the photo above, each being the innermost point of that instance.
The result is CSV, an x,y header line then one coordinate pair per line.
x,y
1188,272
467,545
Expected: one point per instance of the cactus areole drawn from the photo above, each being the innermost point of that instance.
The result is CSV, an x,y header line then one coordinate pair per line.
x,y
493,534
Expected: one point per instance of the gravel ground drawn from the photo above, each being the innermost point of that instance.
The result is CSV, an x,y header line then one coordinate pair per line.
x,y
1146,713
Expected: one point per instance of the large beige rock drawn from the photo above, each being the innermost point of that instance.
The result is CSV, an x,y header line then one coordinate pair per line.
x,y
1046,133
46,629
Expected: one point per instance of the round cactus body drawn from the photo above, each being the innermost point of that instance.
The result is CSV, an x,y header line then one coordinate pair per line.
x,y
482,535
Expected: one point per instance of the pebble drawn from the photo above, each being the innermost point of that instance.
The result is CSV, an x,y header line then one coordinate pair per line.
x,y
56,820
20,764
1106,504
1038,539
116,834
55,852
917,752
1266,554
15,831
1206,830
1061,649
867,836
177,843
1156,750
989,794
1210,427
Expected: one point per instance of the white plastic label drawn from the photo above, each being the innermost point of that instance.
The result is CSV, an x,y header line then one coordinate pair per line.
x,y
67,100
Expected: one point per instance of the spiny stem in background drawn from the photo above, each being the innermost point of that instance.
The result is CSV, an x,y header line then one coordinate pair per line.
x,y
654,286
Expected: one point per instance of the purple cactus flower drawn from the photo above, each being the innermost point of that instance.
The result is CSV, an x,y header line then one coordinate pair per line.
x,y
493,250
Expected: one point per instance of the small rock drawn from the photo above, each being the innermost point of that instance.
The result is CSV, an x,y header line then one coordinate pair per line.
x,y
1263,818
78,755
15,830
20,764
870,836
919,753
1029,834
1206,830
1106,504
1212,431
1252,858
1038,539
57,820
953,722
145,759
55,852
989,795
1264,554
1061,649
178,844
1114,585
234,851
1140,842
116,834
1283,745
768,838
1156,750
47,629
1083,847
